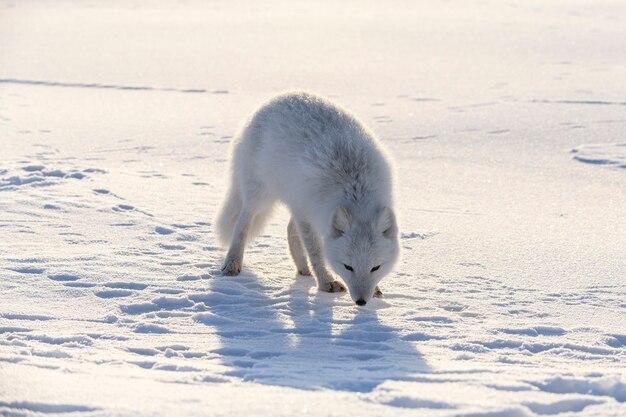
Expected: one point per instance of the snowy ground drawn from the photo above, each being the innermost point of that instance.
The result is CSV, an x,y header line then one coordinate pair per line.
x,y
507,122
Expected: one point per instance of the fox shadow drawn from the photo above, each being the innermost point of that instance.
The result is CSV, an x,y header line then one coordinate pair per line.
x,y
303,339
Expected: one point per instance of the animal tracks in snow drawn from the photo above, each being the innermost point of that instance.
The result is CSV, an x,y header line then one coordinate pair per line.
x,y
147,298
40,176
607,154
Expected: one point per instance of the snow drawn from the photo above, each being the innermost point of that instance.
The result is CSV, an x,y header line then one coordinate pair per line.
x,y
506,124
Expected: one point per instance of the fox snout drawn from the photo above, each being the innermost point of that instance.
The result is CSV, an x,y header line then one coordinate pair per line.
x,y
359,293
361,300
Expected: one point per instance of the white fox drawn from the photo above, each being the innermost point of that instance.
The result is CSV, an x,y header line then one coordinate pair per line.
x,y
330,171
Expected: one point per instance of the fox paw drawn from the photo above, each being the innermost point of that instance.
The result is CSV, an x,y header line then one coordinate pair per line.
x,y
333,286
304,271
378,293
231,267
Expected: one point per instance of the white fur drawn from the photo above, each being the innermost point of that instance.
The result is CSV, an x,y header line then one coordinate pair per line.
x,y
330,171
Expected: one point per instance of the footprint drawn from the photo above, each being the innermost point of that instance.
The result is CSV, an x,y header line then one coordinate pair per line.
x,y
264,355
54,173
161,303
171,247
455,307
190,277
163,230
143,351
178,348
418,337
175,368
421,236
211,319
28,270
417,403
211,379
54,353
31,317
63,277
79,284
535,331
186,238
183,226
230,351
193,355
151,328
573,405
144,364
69,341
14,329
33,168
18,408
433,319
124,207
171,291
616,340
75,175
113,293
243,363
126,285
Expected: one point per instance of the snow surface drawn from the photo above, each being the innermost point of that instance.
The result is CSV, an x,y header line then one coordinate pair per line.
x,y
507,125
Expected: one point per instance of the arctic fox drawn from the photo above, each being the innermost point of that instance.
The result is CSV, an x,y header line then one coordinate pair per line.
x,y
330,171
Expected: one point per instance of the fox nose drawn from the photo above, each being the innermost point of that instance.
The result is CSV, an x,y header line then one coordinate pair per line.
x,y
361,302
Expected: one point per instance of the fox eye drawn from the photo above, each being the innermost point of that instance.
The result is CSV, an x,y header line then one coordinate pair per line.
x,y
348,267
376,268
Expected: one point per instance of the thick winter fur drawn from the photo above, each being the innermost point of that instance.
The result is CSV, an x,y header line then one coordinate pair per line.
x,y
330,171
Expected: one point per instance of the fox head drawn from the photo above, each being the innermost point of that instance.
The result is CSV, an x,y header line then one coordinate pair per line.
x,y
362,248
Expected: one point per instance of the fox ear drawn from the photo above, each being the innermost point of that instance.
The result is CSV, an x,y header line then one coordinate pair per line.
x,y
340,221
387,223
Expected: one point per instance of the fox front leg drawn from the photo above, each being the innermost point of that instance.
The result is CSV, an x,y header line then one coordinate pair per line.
x,y
296,249
313,244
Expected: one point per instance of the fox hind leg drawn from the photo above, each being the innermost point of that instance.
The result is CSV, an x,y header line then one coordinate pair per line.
x,y
234,257
296,249
313,245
